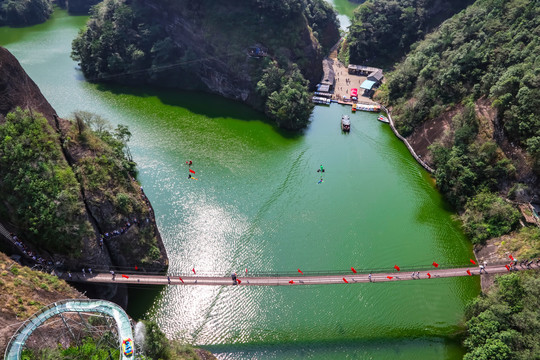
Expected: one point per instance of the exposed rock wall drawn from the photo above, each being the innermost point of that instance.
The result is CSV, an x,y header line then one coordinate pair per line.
x,y
139,245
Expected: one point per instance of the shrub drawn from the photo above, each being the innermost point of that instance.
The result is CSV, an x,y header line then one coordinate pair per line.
x,y
487,216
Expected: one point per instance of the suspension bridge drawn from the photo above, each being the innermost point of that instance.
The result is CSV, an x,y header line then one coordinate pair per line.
x,y
134,278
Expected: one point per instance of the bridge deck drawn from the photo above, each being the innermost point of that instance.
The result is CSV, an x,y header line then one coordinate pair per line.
x,y
144,279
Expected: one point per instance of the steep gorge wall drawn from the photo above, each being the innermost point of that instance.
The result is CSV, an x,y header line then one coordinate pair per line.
x,y
140,245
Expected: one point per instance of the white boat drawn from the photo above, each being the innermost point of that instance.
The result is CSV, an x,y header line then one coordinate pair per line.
x,y
384,119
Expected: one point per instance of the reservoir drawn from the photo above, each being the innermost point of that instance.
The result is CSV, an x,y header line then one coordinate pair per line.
x,y
258,205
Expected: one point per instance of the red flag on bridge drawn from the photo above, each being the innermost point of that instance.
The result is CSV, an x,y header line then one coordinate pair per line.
x,y
511,257
291,282
136,268
390,277
194,271
507,268
397,268
125,276
300,271
181,279
239,281
191,171
429,275
474,262
353,270
469,272
435,264
345,280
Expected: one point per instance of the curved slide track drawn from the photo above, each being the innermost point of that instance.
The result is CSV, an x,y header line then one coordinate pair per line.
x,y
16,344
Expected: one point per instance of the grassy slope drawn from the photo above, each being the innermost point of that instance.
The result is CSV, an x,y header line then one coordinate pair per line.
x,y
23,292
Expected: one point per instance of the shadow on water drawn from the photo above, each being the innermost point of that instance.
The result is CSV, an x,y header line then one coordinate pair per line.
x,y
328,349
142,298
197,102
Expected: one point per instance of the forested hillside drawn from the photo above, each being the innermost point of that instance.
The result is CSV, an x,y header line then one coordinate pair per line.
x,y
222,47
481,70
77,6
24,12
504,323
383,30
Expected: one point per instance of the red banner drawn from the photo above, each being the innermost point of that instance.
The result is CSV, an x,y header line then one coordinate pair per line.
x,y
194,271
291,282
353,270
125,276
474,262
181,279
469,272
397,268
390,277
429,275
191,171
300,271
435,264
345,280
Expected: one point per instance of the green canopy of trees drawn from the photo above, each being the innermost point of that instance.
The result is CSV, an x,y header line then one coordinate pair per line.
x,y
129,42
504,324
40,188
24,12
492,49
288,100
382,31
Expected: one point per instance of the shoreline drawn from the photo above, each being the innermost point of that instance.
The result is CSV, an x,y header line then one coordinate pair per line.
x,y
345,82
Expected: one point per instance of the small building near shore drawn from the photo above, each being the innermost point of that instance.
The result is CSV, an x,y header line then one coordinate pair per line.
x,y
369,88
362,70
323,88
376,76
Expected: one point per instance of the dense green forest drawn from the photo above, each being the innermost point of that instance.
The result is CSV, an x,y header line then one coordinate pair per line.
x,y
487,57
44,191
382,31
504,324
41,191
24,12
211,47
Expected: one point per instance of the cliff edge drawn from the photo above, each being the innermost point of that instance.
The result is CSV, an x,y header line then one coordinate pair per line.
x,y
68,191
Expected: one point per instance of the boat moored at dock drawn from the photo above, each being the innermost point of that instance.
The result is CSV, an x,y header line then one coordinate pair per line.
x,y
383,119
321,100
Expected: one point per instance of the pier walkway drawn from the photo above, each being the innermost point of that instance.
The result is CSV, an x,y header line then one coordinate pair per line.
x,y
146,279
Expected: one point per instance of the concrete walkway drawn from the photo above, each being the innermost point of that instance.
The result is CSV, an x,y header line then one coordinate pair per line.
x,y
141,279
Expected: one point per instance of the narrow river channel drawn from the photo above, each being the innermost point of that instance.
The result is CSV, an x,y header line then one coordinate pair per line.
x,y
257,204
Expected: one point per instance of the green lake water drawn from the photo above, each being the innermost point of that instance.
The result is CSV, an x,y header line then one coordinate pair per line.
x,y
257,204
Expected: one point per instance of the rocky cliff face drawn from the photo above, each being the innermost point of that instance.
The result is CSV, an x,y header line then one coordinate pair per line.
x,y
110,203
